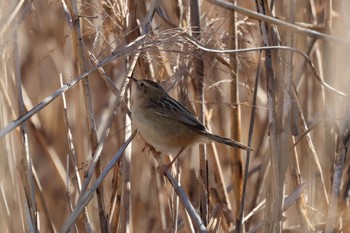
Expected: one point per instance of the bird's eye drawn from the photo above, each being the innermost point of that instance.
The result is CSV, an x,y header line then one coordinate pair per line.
x,y
141,86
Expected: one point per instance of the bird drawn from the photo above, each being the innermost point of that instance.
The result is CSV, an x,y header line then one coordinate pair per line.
x,y
166,124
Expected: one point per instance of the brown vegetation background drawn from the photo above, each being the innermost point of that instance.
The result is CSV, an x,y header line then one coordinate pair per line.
x,y
290,103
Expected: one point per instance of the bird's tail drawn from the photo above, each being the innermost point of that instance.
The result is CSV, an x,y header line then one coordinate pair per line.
x,y
227,141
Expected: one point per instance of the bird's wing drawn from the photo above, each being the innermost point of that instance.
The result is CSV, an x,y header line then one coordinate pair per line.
x,y
168,107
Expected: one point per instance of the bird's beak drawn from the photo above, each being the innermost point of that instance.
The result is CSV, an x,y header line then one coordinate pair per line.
x,y
132,79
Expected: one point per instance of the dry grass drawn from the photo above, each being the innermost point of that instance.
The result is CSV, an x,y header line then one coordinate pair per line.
x,y
68,161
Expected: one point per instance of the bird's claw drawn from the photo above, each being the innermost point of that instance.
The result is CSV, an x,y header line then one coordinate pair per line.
x,y
162,169
149,146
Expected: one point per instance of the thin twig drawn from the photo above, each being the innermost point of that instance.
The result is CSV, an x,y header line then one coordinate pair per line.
x,y
90,116
72,156
86,197
11,17
46,101
198,74
278,22
247,160
305,56
235,113
310,144
29,184
197,221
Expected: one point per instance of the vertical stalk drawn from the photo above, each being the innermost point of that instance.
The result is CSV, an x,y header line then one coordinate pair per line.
x,y
29,185
199,78
236,159
82,62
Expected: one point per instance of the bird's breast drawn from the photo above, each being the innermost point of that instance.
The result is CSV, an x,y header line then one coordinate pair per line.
x,y
165,134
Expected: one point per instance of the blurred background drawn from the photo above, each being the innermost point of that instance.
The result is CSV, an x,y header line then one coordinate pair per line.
x,y
292,108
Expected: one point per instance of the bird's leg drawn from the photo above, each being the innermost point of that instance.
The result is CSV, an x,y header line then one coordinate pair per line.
x,y
163,168
149,146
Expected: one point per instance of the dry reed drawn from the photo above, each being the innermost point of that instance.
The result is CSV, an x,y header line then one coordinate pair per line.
x,y
269,74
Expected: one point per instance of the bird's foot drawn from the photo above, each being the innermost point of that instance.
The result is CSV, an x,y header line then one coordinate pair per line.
x,y
162,169
150,148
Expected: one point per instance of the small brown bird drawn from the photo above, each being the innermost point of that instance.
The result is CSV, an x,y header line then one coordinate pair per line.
x,y
166,124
